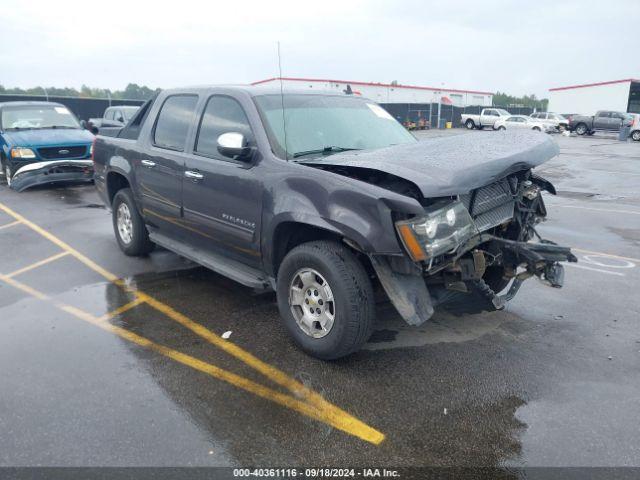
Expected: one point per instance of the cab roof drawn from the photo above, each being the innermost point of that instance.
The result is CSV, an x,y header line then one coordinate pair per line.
x,y
256,91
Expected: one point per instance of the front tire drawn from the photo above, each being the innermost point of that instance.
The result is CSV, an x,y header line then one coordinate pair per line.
x,y
635,136
325,299
537,129
8,173
501,127
128,225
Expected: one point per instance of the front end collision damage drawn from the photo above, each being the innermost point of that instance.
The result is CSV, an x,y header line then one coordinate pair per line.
x,y
40,173
416,288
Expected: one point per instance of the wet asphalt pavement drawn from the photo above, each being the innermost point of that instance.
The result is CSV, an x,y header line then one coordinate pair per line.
x,y
552,380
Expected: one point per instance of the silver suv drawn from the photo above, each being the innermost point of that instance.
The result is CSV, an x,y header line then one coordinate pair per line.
x,y
554,120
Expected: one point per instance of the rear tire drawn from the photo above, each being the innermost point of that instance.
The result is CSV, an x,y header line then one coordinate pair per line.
x,y
501,127
128,225
537,129
470,124
326,278
581,129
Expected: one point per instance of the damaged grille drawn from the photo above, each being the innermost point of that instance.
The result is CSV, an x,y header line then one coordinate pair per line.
x,y
55,153
491,205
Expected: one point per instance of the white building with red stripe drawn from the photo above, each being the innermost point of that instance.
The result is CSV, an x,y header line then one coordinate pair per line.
x,y
587,99
386,92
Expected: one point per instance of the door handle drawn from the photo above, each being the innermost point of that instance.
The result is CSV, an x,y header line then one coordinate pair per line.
x,y
193,175
148,163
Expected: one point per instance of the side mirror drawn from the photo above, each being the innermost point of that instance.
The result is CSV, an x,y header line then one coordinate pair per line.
x,y
234,145
84,124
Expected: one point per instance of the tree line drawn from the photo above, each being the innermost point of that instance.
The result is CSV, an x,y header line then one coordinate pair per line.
x,y
132,91
505,100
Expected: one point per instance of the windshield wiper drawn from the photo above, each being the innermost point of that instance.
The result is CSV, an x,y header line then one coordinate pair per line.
x,y
61,127
324,151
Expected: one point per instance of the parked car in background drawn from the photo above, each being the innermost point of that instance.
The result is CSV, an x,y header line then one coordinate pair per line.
x,y
326,197
487,118
635,127
117,116
522,121
43,142
603,120
557,121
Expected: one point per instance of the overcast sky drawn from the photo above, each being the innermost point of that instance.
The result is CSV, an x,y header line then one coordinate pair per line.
x,y
514,46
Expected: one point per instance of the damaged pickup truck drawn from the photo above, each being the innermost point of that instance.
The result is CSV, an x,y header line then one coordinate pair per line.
x,y
43,142
324,198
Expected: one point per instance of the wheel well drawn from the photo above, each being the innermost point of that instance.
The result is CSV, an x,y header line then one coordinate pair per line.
x,y
115,182
289,235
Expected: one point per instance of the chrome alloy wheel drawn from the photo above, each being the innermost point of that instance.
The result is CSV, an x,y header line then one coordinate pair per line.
x,y
312,303
124,222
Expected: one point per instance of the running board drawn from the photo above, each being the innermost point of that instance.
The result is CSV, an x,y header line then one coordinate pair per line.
x,y
232,269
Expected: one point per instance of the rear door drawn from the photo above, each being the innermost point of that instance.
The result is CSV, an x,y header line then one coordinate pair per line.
x,y
222,197
488,117
602,121
159,170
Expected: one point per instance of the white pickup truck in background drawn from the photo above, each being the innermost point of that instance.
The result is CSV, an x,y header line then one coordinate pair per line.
x,y
487,118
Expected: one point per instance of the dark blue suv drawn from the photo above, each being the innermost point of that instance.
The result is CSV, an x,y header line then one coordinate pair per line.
x,y
43,142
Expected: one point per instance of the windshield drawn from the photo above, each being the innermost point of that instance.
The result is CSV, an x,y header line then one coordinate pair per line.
x,y
322,125
502,112
28,117
129,112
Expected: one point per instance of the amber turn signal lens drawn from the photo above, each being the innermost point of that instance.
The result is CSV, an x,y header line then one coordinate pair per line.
x,y
411,243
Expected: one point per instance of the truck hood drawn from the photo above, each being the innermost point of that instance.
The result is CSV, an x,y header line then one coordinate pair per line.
x,y
454,164
47,137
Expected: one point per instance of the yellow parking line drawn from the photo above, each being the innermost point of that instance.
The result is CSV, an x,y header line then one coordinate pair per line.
x,y
591,252
28,268
359,429
346,423
12,224
122,309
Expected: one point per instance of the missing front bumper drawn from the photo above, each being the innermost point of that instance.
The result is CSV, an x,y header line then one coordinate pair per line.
x,y
51,172
409,293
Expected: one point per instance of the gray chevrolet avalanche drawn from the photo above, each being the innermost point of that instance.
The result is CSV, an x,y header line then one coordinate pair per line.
x,y
325,199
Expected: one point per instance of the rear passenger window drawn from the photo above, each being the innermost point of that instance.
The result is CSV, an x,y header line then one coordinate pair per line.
x,y
221,115
173,122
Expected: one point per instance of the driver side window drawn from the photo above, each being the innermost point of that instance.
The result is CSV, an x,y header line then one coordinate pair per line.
x,y
221,115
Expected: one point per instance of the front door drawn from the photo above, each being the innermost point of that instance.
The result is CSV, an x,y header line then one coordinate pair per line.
x,y
159,172
222,197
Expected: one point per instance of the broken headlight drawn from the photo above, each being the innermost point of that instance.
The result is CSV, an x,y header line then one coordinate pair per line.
x,y
440,231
